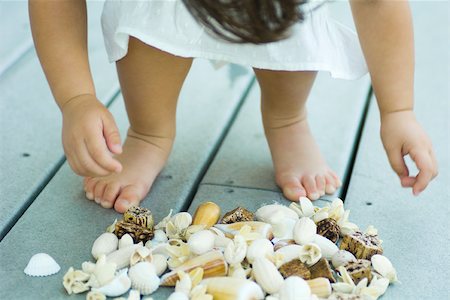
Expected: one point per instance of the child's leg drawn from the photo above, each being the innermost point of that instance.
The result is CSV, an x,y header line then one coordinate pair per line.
x,y
300,169
150,80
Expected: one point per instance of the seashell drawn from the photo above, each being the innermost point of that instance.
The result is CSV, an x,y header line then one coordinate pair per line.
x,y
95,295
199,293
184,283
380,285
160,236
320,215
143,278
102,273
188,232
359,270
283,228
327,247
227,288
137,232
213,264
221,242
363,246
134,295
384,267
267,213
196,276
237,271
106,243
289,252
342,257
320,287
304,231
236,250
118,286
310,254
282,243
88,267
41,264
294,288
159,261
201,242
111,227
336,210
207,213
74,281
141,254
239,214
125,241
261,228
122,256
329,228
140,216
295,268
163,223
179,252
371,230
182,220
322,269
304,207
178,296
259,248
267,275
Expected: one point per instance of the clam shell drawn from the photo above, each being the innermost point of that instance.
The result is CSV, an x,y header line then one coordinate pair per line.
x,y
270,212
327,247
118,286
213,264
294,288
304,231
143,278
289,252
341,258
201,242
125,241
160,263
230,288
41,264
122,256
267,275
265,229
259,248
207,213
106,243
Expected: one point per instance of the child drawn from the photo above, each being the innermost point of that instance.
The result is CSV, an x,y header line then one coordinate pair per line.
x,y
153,43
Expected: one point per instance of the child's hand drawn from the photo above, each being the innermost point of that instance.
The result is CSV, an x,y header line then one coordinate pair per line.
x,y
90,137
401,135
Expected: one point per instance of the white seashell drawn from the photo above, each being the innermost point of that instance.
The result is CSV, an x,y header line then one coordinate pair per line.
x,y
310,254
283,228
289,252
199,293
178,296
106,243
141,254
327,247
74,281
304,207
184,283
94,295
160,248
236,250
143,278
342,287
345,276
380,285
227,288
118,286
342,257
237,271
250,229
160,263
134,294
304,231
122,256
371,230
163,223
88,267
194,229
103,272
294,288
125,241
111,228
336,209
41,264
182,220
221,241
266,275
159,236
267,213
384,267
259,248
319,216
201,242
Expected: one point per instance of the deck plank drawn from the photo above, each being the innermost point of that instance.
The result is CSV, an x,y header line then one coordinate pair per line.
x,y
30,123
414,230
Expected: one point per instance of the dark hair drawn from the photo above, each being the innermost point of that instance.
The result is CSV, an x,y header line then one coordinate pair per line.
x,y
247,21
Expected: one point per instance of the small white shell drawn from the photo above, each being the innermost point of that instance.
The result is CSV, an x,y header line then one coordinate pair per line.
x,y
160,263
118,286
327,247
304,208
304,231
201,242
221,241
268,212
106,243
134,294
103,272
289,252
294,288
259,248
125,241
283,228
178,296
122,256
95,295
266,275
342,257
160,236
182,220
310,254
184,283
141,254
143,278
41,264
236,250
384,267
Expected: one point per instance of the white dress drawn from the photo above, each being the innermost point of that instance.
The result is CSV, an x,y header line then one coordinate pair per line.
x,y
318,43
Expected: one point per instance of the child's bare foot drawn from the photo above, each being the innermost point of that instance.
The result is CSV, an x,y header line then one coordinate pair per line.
x,y
142,159
300,169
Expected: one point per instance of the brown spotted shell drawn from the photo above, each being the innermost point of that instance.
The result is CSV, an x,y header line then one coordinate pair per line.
x,y
137,232
239,214
329,228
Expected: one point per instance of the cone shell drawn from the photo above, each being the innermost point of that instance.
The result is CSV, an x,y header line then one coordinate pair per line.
x,y
207,213
213,264
294,288
143,278
41,264
230,288
320,287
267,275
262,228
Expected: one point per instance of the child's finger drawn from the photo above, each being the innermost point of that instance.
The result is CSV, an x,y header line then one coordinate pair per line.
x,y
435,164
112,136
425,166
87,165
100,153
398,163
408,181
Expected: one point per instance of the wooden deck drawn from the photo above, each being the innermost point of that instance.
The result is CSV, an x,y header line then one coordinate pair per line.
x,y
42,203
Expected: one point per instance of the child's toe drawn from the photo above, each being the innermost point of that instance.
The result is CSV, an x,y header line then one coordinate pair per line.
x,y
320,184
110,195
98,191
292,188
129,196
309,183
330,184
89,184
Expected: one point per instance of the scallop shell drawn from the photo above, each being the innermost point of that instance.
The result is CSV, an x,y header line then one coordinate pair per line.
x,y
304,207
327,247
118,286
267,275
106,243
264,229
41,264
143,278
227,288
304,231
122,256
160,263
342,257
269,212
259,248
289,252
294,288
125,241
207,213
201,242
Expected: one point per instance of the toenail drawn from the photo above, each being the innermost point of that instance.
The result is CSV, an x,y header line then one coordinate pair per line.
x,y
314,196
124,203
97,200
89,195
105,204
330,189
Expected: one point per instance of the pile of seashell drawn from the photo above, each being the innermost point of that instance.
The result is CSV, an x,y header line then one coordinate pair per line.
x,y
278,252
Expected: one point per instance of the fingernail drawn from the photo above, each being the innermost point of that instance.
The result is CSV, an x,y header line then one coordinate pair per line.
x,y
314,196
